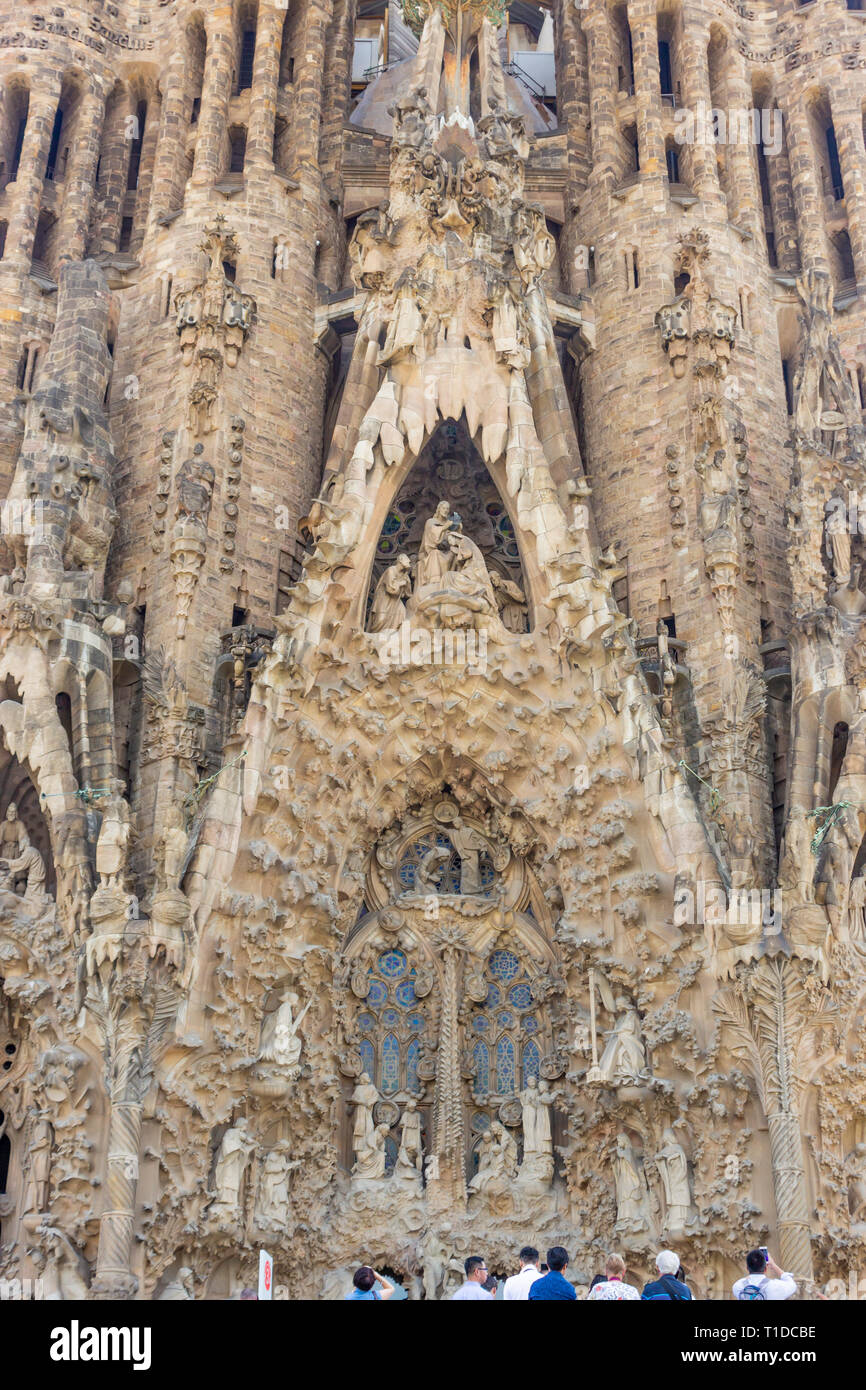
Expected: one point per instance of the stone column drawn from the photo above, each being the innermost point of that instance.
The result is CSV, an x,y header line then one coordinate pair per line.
x,y
216,91
740,152
699,102
81,178
307,111
447,1182
808,199
601,66
152,123
26,201
266,76
647,87
114,1277
168,169
848,125
116,152
781,202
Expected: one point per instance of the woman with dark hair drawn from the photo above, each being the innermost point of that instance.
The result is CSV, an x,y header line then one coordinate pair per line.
x,y
364,1281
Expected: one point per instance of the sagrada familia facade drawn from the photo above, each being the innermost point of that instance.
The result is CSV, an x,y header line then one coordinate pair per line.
x,y
432,640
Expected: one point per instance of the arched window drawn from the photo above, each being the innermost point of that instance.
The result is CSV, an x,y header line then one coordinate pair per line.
x,y
505,1029
391,1025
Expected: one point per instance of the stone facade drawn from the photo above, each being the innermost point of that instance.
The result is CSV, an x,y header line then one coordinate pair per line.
x,y
432,677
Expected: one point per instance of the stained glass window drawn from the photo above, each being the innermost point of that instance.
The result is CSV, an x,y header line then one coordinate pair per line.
x,y
368,1057
503,965
481,1060
390,1064
413,1056
447,876
392,964
531,1061
390,1024
505,1067
512,1046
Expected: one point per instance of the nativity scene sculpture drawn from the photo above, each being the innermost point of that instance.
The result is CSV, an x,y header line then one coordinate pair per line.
x,y
453,588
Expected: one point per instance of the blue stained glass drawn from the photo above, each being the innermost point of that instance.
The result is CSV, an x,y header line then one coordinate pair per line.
x,y
520,996
392,963
481,1060
377,993
505,1019
392,523
368,1058
480,1024
494,996
504,1067
366,1023
405,994
391,1018
390,1064
503,965
530,1025
531,1061
413,1056
391,1152
416,1022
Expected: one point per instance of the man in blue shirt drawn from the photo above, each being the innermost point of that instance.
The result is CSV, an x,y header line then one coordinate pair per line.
x,y
553,1285
667,1287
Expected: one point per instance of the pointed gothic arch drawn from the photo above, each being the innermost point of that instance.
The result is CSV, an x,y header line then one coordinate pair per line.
x,y
450,468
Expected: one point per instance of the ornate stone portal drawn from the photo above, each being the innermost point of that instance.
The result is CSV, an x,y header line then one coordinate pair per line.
x,y
445,932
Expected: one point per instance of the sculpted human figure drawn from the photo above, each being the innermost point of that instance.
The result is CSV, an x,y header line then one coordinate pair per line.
x,y
273,1195
114,837
434,558
536,1101
181,1288
195,484
234,1156
511,600
468,573
172,849
26,862
364,1097
40,1141
280,1041
857,1185
433,1263
674,1172
410,1154
630,1188
468,843
837,539
370,1158
394,587
624,1057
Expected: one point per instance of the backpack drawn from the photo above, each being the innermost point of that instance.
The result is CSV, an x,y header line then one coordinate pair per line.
x,y
749,1292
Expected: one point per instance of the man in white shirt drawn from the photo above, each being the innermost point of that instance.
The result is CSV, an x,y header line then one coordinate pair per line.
x,y
517,1287
765,1281
476,1277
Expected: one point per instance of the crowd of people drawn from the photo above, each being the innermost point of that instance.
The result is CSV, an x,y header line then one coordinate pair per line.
x,y
538,1282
